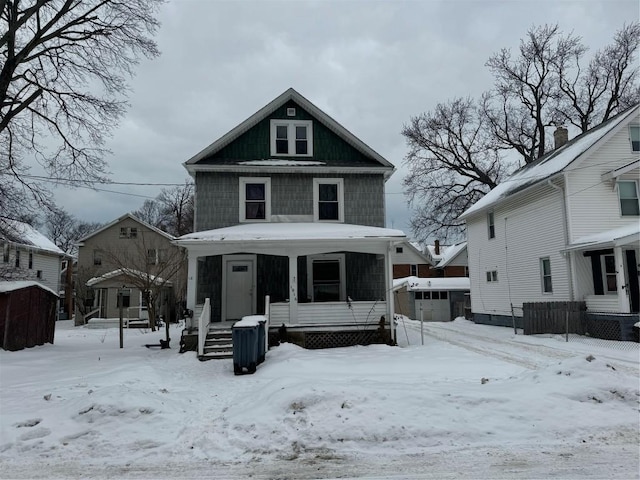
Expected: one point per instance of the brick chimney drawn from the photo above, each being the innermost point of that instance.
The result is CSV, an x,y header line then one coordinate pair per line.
x,y
436,247
560,136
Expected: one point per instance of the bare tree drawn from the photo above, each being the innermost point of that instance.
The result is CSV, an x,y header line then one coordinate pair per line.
x,y
522,104
65,230
454,160
171,211
461,149
607,86
150,266
62,81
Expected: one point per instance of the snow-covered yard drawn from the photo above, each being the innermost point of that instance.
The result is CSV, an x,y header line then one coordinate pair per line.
x,y
473,402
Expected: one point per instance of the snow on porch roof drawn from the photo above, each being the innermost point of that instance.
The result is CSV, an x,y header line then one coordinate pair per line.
x,y
291,231
127,272
617,236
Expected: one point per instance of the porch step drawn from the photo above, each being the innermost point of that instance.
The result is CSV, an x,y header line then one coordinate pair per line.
x,y
218,344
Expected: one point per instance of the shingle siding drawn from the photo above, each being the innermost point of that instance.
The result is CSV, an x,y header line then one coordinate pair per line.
x,y
217,199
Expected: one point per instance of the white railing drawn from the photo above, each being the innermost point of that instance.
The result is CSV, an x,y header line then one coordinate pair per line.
x,y
203,326
89,315
267,307
330,313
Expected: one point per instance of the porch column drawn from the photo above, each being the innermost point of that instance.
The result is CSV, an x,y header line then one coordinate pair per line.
x,y
192,278
389,282
621,281
293,289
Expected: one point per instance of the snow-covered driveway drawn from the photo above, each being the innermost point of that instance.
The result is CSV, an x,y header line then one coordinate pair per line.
x,y
473,402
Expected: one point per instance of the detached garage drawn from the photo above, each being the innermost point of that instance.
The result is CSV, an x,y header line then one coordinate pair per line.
x,y
433,299
27,314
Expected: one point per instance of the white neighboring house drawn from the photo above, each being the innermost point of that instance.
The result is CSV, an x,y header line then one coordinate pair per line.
x,y
565,228
29,255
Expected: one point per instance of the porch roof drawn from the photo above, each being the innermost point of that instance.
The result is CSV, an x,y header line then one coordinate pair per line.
x,y
433,283
609,238
286,232
128,272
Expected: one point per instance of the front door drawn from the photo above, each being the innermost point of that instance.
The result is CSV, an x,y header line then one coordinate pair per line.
x,y
239,289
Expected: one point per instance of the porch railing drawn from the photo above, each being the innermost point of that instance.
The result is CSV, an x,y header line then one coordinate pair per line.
x,y
330,313
203,326
267,308
90,315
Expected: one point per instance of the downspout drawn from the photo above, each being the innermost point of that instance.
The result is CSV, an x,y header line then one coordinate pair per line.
x,y
565,221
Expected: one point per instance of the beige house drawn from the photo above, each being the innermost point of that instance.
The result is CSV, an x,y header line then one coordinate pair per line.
x,y
134,261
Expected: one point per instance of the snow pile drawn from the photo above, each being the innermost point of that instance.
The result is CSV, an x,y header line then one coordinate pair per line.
x,y
86,408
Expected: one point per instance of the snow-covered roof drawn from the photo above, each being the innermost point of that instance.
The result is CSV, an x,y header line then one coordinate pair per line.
x,y
435,258
20,284
285,163
124,217
24,234
617,236
425,284
291,231
549,165
127,272
271,107
451,253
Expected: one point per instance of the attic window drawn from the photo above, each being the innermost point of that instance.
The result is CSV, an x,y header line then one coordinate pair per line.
x,y
292,138
398,249
291,112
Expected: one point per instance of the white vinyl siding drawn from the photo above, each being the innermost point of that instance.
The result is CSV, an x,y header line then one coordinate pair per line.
x,y
533,229
593,204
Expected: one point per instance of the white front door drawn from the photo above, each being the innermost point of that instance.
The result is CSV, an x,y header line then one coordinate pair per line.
x,y
239,289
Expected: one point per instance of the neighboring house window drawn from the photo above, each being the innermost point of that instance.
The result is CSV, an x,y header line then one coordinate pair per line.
x,y
17,264
39,274
5,253
326,277
128,232
491,227
255,199
418,295
414,270
545,274
97,257
492,276
126,298
328,194
609,274
152,256
634,136
292,138
628,193
399,250
30,260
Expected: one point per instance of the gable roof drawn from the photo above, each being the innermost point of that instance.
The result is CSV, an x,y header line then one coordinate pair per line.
x,y
451,253
24,234
552,163
264,112
124,217
128,273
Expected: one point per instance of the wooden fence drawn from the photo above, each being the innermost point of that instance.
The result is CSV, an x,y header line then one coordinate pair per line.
x,y
554,317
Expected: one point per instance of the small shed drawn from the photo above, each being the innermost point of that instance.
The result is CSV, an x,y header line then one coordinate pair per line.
x,y
27,314
433,299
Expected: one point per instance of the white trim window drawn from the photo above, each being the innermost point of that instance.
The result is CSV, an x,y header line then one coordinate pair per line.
x,y
610,281
492,276
128,232
634,137
255,199
545,275
328,200
292,138
628,195
491,225
326,278
413,270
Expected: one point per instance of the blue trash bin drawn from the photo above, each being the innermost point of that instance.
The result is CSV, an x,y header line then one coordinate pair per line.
x,y
245,347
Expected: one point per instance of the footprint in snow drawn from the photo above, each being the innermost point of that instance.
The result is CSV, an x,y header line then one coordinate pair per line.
x,y
28,423
33,434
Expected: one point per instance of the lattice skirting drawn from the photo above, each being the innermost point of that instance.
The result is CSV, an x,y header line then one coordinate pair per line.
x,y
332,339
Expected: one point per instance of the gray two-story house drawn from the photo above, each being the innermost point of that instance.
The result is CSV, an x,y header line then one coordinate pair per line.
x,y
290,207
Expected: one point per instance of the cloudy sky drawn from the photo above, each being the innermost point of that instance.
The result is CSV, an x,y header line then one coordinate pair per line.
x,y
371,65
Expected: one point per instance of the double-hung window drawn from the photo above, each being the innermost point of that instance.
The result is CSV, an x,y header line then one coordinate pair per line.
x,y
545,275
326,277
255,199
628,193
328,203
491,227
609,274
5,252
292,138
634,137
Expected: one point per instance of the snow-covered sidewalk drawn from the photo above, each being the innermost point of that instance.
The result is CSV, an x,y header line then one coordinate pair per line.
x,y
473,402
